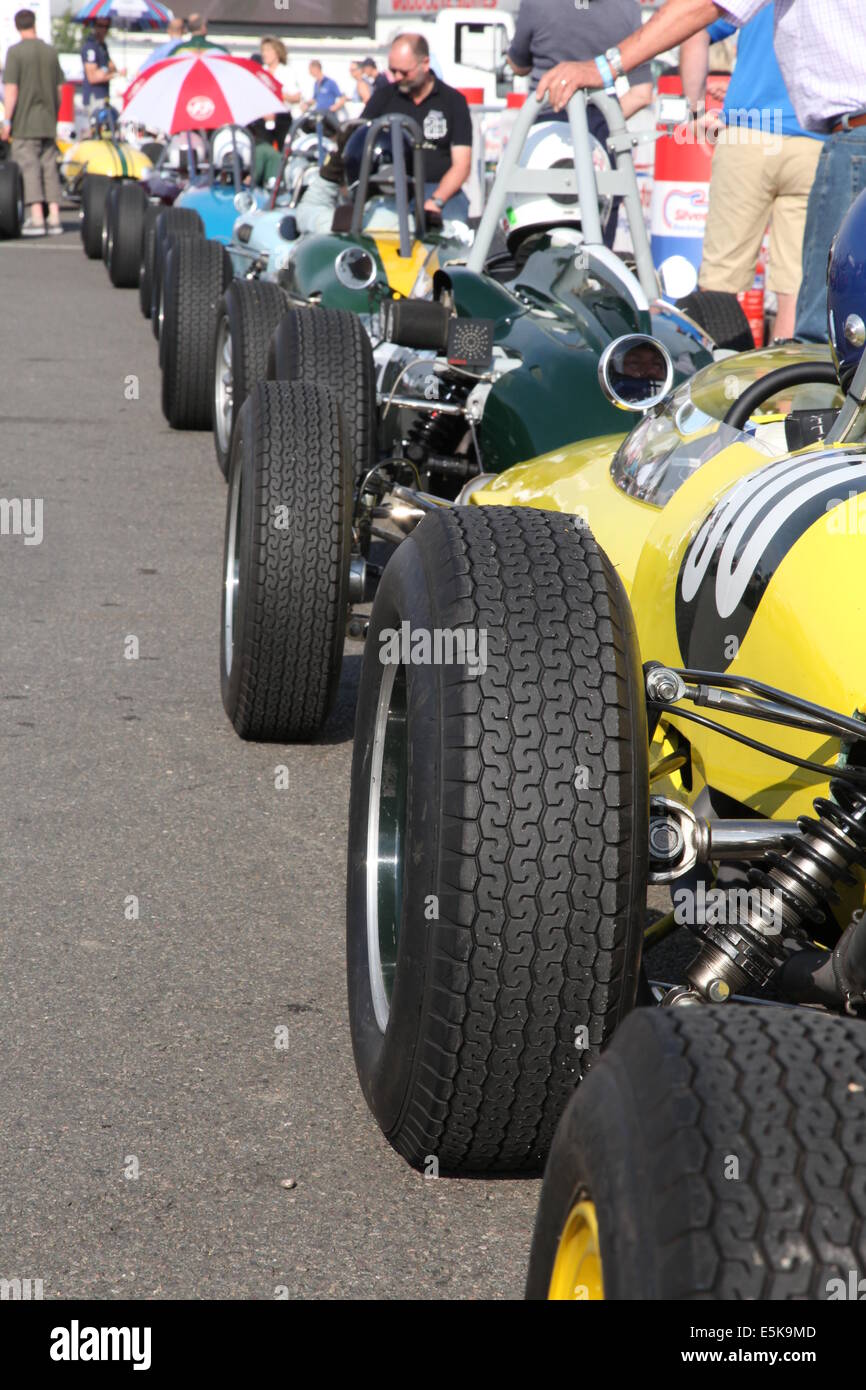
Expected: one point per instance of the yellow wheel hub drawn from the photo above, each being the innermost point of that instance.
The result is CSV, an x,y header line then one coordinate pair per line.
x,y
577,1269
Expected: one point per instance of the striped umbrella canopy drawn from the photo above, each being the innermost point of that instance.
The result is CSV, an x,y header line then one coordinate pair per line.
x,y
128,14
201,92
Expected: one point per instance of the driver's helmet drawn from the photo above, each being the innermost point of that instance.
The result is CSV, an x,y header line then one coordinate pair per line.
x,y
846,291
223,145
104,118
383,155
550,147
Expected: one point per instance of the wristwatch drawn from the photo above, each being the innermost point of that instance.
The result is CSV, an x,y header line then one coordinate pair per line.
x,y
440,202
621,83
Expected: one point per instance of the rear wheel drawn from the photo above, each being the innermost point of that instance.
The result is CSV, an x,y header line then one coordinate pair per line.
x,y
94,193
176,222
196,274
722,316
286,566
125,227
692,1153
148,250
497,834
11,200
246,318
332,345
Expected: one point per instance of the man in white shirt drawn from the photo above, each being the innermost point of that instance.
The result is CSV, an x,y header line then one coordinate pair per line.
x,y
821,48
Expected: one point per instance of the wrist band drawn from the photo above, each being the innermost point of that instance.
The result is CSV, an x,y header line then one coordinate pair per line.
x,y
605,72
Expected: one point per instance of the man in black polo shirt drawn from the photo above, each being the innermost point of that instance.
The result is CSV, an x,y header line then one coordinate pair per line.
x,y
443,115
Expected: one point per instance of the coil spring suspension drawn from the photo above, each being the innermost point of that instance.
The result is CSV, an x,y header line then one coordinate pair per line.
x,y
435,434
798,887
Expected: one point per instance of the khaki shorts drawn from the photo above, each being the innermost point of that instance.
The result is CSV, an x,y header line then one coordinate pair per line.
x,y
758,178
37,160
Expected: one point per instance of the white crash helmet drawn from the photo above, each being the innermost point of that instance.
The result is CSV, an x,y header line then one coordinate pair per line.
x,y
550,147
223,142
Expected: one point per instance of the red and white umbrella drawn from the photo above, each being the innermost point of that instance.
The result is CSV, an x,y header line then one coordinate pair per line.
x,y
201,92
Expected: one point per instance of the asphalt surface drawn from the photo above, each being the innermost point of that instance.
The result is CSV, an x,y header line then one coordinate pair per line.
x,y
155,1038
148,1046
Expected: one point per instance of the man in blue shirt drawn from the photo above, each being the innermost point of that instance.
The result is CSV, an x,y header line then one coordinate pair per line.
x,y
97,64
173,36
326,94
763,168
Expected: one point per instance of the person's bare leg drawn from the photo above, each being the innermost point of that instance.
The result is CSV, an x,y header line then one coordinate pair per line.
x,y
36,215
786,315
54,214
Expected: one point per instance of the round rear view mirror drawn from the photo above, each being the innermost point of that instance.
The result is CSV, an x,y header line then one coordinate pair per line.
x,y
355,268
244,201
636,372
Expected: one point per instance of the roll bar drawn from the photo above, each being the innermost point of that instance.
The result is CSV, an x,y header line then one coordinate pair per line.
x,y
582,182
397,124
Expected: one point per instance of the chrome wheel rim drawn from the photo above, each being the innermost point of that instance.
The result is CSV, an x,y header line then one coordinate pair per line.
x,y
386,835
224,387
231,584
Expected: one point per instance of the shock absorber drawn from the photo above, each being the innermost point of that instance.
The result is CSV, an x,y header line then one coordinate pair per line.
x,y
795,892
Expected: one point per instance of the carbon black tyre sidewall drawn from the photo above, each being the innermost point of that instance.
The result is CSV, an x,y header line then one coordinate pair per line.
x,y
108,223
456,1073
195,271
148,250
94,192
249,311
171,221
11,198
721,315
293,580
332,345
127,227
650,1135
385,1063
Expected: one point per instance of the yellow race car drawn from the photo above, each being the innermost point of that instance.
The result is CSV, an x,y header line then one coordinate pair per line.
x,y
635,662
90,168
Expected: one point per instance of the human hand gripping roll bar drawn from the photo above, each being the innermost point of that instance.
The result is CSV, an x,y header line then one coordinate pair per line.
x,y
675,21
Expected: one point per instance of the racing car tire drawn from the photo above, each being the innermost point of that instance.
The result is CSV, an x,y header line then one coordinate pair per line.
x,y
177,222
332,345
127,207
693,1151
94,192
148,250
721,315
246,318
196,274
11,200
286,568
515,804
106,221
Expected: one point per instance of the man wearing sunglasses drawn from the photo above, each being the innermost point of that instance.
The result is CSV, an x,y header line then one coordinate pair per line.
x,y
443,115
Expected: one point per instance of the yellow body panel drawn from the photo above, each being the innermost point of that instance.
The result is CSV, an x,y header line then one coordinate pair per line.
x,y
578,481
402,271
114,158
805,635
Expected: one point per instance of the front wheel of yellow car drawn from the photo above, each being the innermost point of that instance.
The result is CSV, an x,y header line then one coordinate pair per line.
x,y
714,1152
497,834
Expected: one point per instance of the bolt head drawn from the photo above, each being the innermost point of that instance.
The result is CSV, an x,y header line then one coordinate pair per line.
x,y
718,991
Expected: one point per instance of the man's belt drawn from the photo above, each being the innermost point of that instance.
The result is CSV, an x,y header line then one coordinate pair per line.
x,y
848,122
